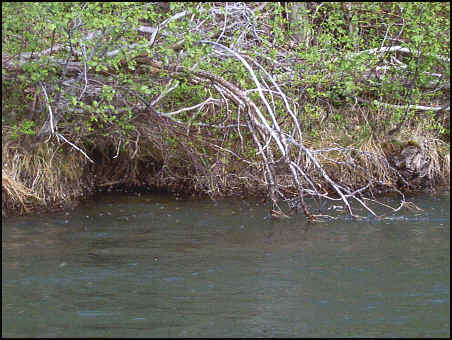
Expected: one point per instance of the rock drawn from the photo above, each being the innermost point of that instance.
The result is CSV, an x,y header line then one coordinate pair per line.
x,y
413,161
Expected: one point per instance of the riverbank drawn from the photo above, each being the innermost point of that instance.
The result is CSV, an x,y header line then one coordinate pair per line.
x,y
52,176
342,103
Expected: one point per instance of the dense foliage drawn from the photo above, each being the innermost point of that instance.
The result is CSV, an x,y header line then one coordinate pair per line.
x,y
228,84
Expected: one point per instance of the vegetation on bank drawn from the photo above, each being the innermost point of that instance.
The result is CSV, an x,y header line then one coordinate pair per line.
x,y
336,101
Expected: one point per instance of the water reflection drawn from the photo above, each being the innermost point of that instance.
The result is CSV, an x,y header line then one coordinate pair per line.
x,y
154,266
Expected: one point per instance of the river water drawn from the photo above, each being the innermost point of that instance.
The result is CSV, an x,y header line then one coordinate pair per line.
x,y
153,266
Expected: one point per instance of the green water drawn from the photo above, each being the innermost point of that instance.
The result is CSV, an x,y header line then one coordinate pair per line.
x,y
153,266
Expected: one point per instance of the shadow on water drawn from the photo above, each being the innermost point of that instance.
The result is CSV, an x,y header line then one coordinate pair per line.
x,y
123,265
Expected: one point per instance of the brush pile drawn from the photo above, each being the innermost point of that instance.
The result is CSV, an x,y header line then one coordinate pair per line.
x,y
224,99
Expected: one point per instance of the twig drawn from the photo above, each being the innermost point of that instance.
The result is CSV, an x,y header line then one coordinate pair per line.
x,y
52,128
74,146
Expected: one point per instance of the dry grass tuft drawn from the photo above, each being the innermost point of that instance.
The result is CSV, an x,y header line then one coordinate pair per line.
x,y
47,177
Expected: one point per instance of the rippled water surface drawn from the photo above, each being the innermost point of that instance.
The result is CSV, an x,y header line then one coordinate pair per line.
x,y
153,266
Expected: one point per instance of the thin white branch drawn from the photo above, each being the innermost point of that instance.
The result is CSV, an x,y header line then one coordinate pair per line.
x,y
117,150
386,35
164,93
74,146
225,20
396,49
52,127
86,77
169,114
415,107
